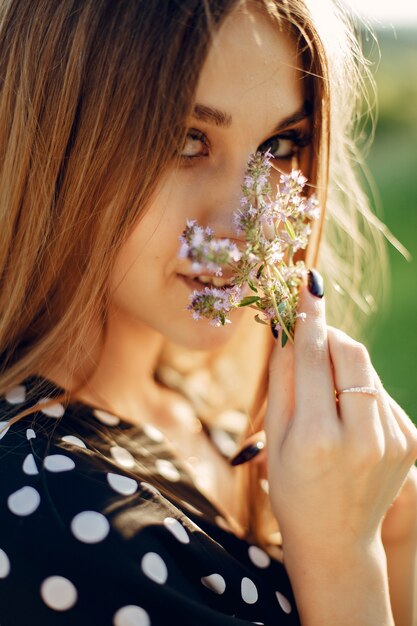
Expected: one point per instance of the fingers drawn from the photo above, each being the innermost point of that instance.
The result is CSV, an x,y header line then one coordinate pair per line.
x,y
362,413
305,374
390,423
252,449
280,391
301,379
402,421
314,385
352,368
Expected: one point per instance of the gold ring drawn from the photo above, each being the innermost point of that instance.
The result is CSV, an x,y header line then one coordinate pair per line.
x,y
370,391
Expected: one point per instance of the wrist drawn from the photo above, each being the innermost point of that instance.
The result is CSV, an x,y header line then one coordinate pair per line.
x,y
334,547
323,579
337,554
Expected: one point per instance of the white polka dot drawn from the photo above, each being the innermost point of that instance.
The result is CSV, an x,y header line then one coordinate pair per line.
x,y
122,456
258,556
283,602
30,434
153,433
150,488
29,465
167,469
3,429
131,615
24,501
106,418
74,440
58,463
58,593
122,484
215,582
248,590
90,527
55,410
16,395
4,564
176,529
154,567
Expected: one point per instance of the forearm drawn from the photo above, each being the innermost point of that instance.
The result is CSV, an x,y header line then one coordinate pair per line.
x,y
334,589
402,563
399,537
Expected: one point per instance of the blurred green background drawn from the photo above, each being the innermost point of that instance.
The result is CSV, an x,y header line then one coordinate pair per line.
x,y
393,164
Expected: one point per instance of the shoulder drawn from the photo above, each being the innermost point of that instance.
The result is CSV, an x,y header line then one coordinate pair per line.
x,y
89,538
79,533
66,476
60,455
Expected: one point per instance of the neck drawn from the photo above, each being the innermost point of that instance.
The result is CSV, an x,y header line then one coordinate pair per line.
x,y
124,364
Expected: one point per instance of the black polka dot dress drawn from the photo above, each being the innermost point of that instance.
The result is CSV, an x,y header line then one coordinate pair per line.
x,y
102,525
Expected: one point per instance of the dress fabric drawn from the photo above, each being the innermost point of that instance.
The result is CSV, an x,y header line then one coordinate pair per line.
x,y
102,525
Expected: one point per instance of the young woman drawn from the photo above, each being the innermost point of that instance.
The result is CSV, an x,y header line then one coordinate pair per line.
x,y
121,414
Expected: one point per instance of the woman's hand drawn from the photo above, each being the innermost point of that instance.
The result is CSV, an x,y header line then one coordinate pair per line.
x,y
334,467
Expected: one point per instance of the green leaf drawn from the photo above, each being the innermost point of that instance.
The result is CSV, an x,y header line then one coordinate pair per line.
x,y
289,229
259,272
258,319
284,338
252,286
249,300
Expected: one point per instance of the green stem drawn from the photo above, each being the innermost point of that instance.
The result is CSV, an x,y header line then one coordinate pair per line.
x,y
277,274
280,278
274,303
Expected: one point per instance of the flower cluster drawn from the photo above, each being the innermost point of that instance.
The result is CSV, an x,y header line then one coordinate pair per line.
x,y
274,228
199,245
215,304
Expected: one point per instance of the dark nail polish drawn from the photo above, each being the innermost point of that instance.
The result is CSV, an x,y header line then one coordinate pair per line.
x,y
247,453
274,330
315,283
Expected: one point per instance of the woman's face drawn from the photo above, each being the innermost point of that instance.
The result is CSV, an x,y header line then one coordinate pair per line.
x,y
251,76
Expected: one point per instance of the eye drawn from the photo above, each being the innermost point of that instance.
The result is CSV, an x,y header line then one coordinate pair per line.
x,y
286,145
192,146
283,146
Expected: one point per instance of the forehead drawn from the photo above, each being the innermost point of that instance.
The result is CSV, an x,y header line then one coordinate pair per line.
x,y
251,68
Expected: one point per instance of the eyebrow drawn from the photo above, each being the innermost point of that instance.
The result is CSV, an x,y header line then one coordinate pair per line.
x,y
210,115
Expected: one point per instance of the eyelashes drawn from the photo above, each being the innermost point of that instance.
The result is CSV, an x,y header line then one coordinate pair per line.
x,y
282,146
196,135
286,144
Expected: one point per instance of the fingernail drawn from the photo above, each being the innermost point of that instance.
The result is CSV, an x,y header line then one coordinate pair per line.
x,y
315,283
247,453
274,330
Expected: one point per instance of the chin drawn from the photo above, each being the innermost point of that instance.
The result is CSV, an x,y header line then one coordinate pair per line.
x,y
201,335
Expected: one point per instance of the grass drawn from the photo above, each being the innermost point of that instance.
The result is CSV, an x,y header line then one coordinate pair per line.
x,y
393,164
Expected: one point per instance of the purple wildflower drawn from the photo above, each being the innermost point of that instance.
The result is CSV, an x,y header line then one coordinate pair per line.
x,y
214,303
274,228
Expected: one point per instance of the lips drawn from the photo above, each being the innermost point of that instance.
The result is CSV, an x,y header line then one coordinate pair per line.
x,y
193,282
207,274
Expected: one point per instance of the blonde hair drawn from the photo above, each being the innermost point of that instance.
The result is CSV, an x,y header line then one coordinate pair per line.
x,y
86,132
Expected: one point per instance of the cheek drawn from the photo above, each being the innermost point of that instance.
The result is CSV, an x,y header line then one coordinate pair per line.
x,y
126,273
144,262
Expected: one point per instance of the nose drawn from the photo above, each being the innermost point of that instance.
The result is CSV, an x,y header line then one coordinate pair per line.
x,y
221,198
